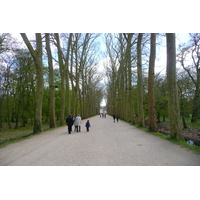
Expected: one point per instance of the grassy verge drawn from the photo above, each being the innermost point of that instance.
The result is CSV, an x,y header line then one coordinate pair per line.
x,y
9,136
167,137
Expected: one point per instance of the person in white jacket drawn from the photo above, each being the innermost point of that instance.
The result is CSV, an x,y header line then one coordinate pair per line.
x,y
78,122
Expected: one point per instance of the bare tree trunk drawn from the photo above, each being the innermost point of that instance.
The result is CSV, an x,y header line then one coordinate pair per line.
x,y
62,75
151,96
68,101
173,102
37,57
121,81
129,90
140,88
83,68
77,76
51,83
72,80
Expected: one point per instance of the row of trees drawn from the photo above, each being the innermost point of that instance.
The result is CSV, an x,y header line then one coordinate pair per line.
x,y
54,76
136,93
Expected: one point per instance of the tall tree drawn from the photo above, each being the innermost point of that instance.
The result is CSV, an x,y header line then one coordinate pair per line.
x,y
129,89
51,82
62,75
37,57
121,85
68,100
173,102
140,88
78,69
88,71
189,58
151,97
112,73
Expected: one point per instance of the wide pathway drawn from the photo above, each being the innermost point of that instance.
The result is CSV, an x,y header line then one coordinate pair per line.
x,y
107,144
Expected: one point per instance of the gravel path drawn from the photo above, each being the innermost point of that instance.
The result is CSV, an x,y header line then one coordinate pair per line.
x,y
107,144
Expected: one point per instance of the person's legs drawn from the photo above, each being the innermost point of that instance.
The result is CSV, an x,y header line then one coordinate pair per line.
x,y
69,129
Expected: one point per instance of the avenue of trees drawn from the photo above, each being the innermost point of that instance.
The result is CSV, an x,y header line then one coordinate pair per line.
x,y
48,77
140,96
53,75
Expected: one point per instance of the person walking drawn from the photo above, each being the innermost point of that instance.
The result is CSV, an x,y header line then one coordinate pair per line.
x,y
70,122
87,125
78,122
74,124
117,118
114,118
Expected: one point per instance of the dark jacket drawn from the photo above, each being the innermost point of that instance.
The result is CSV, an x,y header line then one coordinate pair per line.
x,y
69,121
87,124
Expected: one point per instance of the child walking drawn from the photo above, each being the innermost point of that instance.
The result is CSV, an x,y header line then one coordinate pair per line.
x,y
87,125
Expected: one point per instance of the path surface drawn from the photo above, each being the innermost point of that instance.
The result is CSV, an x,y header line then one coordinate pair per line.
x,y
107,144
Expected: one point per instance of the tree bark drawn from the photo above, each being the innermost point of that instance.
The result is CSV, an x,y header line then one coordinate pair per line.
x,y
51,83
37,57
130,88
173,102
62,75
140,88
151,97
68,101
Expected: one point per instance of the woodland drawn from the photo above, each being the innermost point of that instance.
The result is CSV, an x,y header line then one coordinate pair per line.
x,y
47,76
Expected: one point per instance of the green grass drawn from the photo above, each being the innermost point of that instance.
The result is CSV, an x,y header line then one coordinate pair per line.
x,y
184,144
194,125
8,136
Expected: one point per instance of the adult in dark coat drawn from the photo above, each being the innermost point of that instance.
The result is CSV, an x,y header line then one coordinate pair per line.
x,y
117,118
70,123
114,118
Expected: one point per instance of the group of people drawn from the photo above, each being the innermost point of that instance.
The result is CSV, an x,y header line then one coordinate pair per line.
x,y
77,122
103,115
